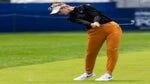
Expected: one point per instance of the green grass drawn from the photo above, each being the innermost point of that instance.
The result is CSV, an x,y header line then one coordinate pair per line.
x,y
132,68
28,48
36,58
36,48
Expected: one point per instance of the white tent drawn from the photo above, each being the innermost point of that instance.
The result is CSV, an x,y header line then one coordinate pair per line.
x,y
48,1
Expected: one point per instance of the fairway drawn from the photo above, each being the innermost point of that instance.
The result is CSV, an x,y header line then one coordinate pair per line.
x,y
133,68
56,58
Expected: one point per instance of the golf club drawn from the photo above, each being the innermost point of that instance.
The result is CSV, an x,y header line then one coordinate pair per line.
x,y
132,22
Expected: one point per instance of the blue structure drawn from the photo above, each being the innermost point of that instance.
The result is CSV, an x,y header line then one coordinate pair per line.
x,y
35,17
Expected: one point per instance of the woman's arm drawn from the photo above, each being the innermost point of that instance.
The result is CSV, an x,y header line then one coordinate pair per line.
x,y
80,21
86,23
93,12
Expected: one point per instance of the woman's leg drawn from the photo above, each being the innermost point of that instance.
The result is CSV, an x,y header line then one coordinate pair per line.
x,y
113,40
113,34
96,37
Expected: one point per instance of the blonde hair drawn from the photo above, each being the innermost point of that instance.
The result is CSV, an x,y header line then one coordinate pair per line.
x,y
54,4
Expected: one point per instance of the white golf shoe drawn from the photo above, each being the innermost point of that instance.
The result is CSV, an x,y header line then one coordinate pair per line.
x,y
84,76
105,77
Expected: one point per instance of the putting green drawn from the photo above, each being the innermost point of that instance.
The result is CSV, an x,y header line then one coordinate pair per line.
x,y
132,68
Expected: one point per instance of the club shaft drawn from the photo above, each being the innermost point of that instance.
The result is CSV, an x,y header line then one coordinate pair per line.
x,y
131,23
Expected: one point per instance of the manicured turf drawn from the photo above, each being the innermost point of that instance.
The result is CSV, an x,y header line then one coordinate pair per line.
x,y
38,58
133,68
35,48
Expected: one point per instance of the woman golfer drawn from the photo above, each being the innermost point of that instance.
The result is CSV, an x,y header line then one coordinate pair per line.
x,y
100,28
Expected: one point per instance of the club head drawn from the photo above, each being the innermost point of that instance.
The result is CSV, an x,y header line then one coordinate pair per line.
x,y
132,22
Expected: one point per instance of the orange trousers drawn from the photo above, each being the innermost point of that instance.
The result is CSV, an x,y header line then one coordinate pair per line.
x,y
111,32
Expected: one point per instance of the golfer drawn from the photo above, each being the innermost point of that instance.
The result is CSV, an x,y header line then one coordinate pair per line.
x,y
100,28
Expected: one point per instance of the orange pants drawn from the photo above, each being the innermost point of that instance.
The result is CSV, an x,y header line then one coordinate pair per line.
x,y
111,32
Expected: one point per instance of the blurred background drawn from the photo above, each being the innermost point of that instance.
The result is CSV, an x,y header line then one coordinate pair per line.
x,y
33,15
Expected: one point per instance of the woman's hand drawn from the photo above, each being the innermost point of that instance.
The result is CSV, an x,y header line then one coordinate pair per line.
x,y
95,25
